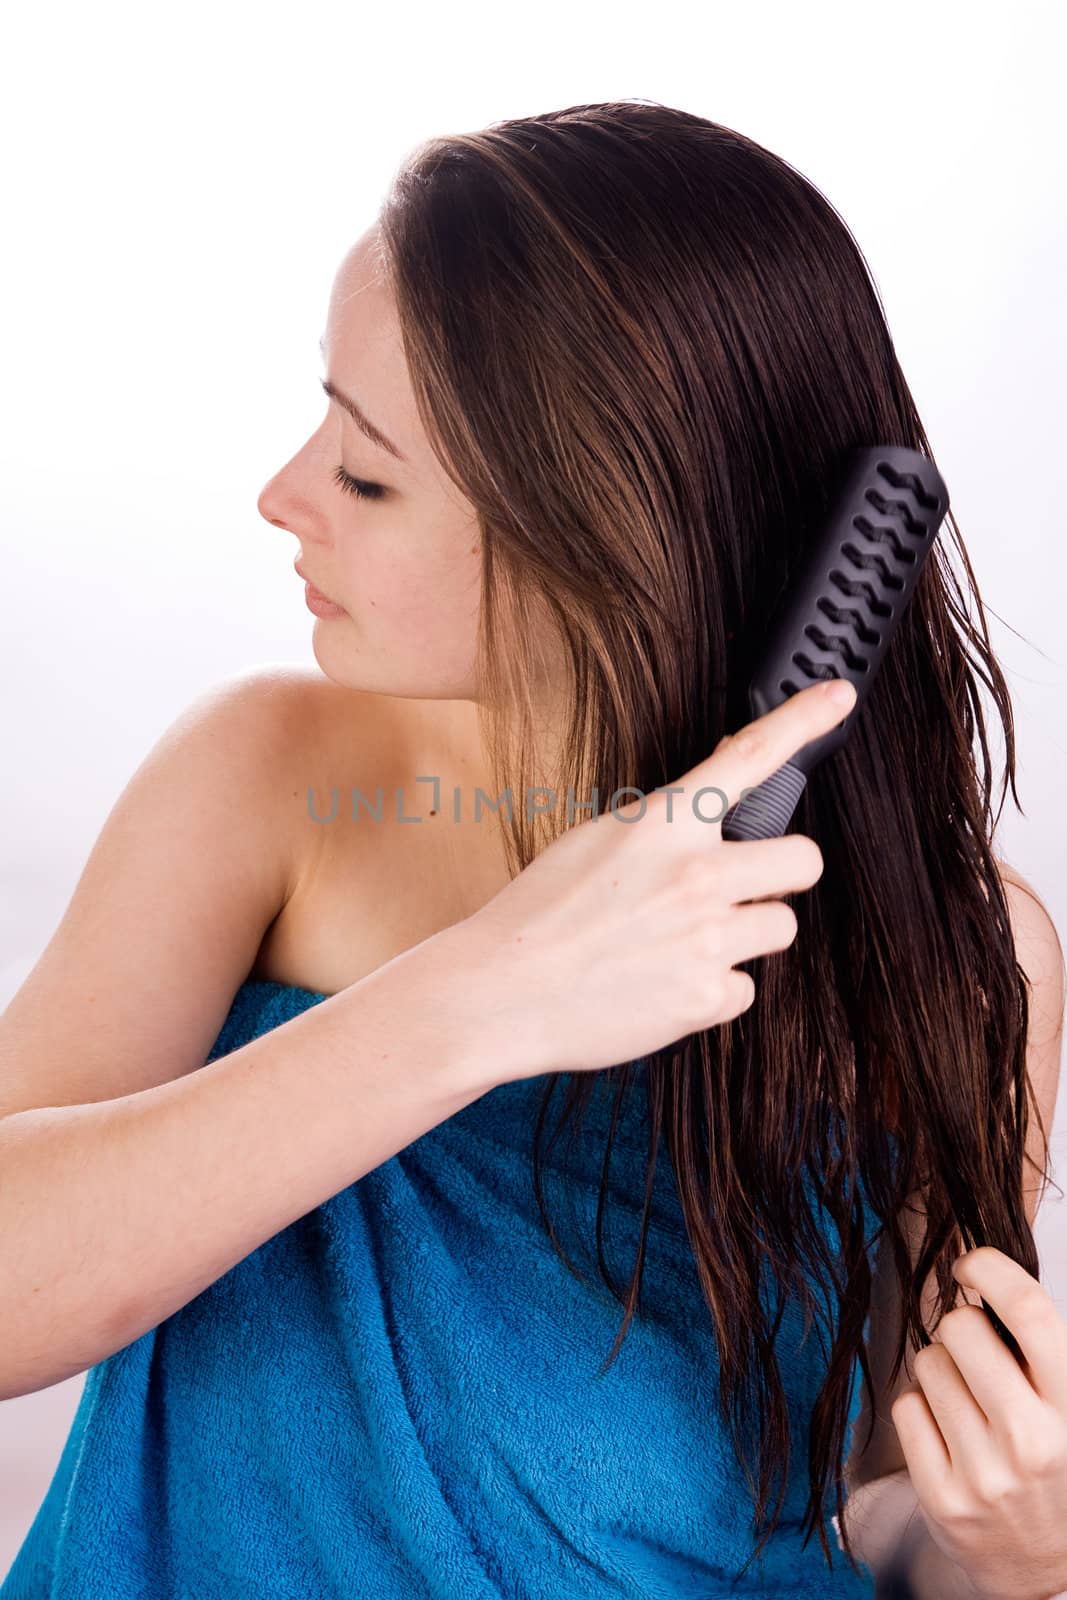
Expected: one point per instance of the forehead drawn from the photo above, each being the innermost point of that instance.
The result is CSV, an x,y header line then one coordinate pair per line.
x,y
364,356
360,300
363,351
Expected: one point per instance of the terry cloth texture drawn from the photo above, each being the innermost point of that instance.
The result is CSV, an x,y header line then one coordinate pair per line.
x,y
398,1396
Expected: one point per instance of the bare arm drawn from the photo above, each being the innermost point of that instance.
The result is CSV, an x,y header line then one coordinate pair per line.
x,y
116,1213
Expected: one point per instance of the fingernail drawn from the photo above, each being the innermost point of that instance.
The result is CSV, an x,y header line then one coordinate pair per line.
x,y
840,691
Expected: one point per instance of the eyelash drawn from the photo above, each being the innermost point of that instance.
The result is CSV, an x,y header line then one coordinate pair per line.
x,y
356,486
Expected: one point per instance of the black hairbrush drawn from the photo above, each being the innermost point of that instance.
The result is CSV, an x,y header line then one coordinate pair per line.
x,y
843,610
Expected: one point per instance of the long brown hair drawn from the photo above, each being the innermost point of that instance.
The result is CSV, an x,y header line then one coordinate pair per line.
x,y
640,344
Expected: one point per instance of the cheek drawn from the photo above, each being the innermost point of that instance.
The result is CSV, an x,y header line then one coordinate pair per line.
x,y
422,602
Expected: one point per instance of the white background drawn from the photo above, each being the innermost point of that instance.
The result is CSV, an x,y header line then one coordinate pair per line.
x,y
179,188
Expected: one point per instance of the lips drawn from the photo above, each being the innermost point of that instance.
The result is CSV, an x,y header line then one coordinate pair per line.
x,y
321,592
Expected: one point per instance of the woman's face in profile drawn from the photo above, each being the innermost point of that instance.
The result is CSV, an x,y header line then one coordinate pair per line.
x,y
404,564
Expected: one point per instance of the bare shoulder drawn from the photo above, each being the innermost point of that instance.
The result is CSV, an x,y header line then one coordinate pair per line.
x,y
365,885
314,715
314,734
301,704
355,893
192,869
326,737
1039,950
245,737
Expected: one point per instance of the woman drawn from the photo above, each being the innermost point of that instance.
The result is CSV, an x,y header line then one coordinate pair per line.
x,y
590,375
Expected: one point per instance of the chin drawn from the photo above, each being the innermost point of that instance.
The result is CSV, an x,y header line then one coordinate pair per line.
x,y
336,662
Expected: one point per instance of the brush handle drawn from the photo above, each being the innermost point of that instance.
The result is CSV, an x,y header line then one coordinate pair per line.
x,y
764,812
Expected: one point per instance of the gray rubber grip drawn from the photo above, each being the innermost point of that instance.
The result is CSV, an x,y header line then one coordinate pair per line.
x,y
764,813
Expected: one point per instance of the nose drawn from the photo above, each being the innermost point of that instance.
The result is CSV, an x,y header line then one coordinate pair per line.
x,y
285,499
264,506
288,499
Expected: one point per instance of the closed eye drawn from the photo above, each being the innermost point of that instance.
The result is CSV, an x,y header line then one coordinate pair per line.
x,y
356,486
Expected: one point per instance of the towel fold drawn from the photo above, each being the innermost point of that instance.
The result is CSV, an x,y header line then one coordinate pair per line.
x,y
397,1396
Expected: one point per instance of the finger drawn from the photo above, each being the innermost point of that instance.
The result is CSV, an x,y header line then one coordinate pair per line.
x,y
744,759
757,869
960,1419
1027,1310
754,930
739,991
991,1373
929,1464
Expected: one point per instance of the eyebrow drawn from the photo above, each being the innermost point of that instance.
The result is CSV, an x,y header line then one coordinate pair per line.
x,y
362,422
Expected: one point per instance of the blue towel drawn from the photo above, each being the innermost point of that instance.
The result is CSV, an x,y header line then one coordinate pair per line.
x,y
397,1396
